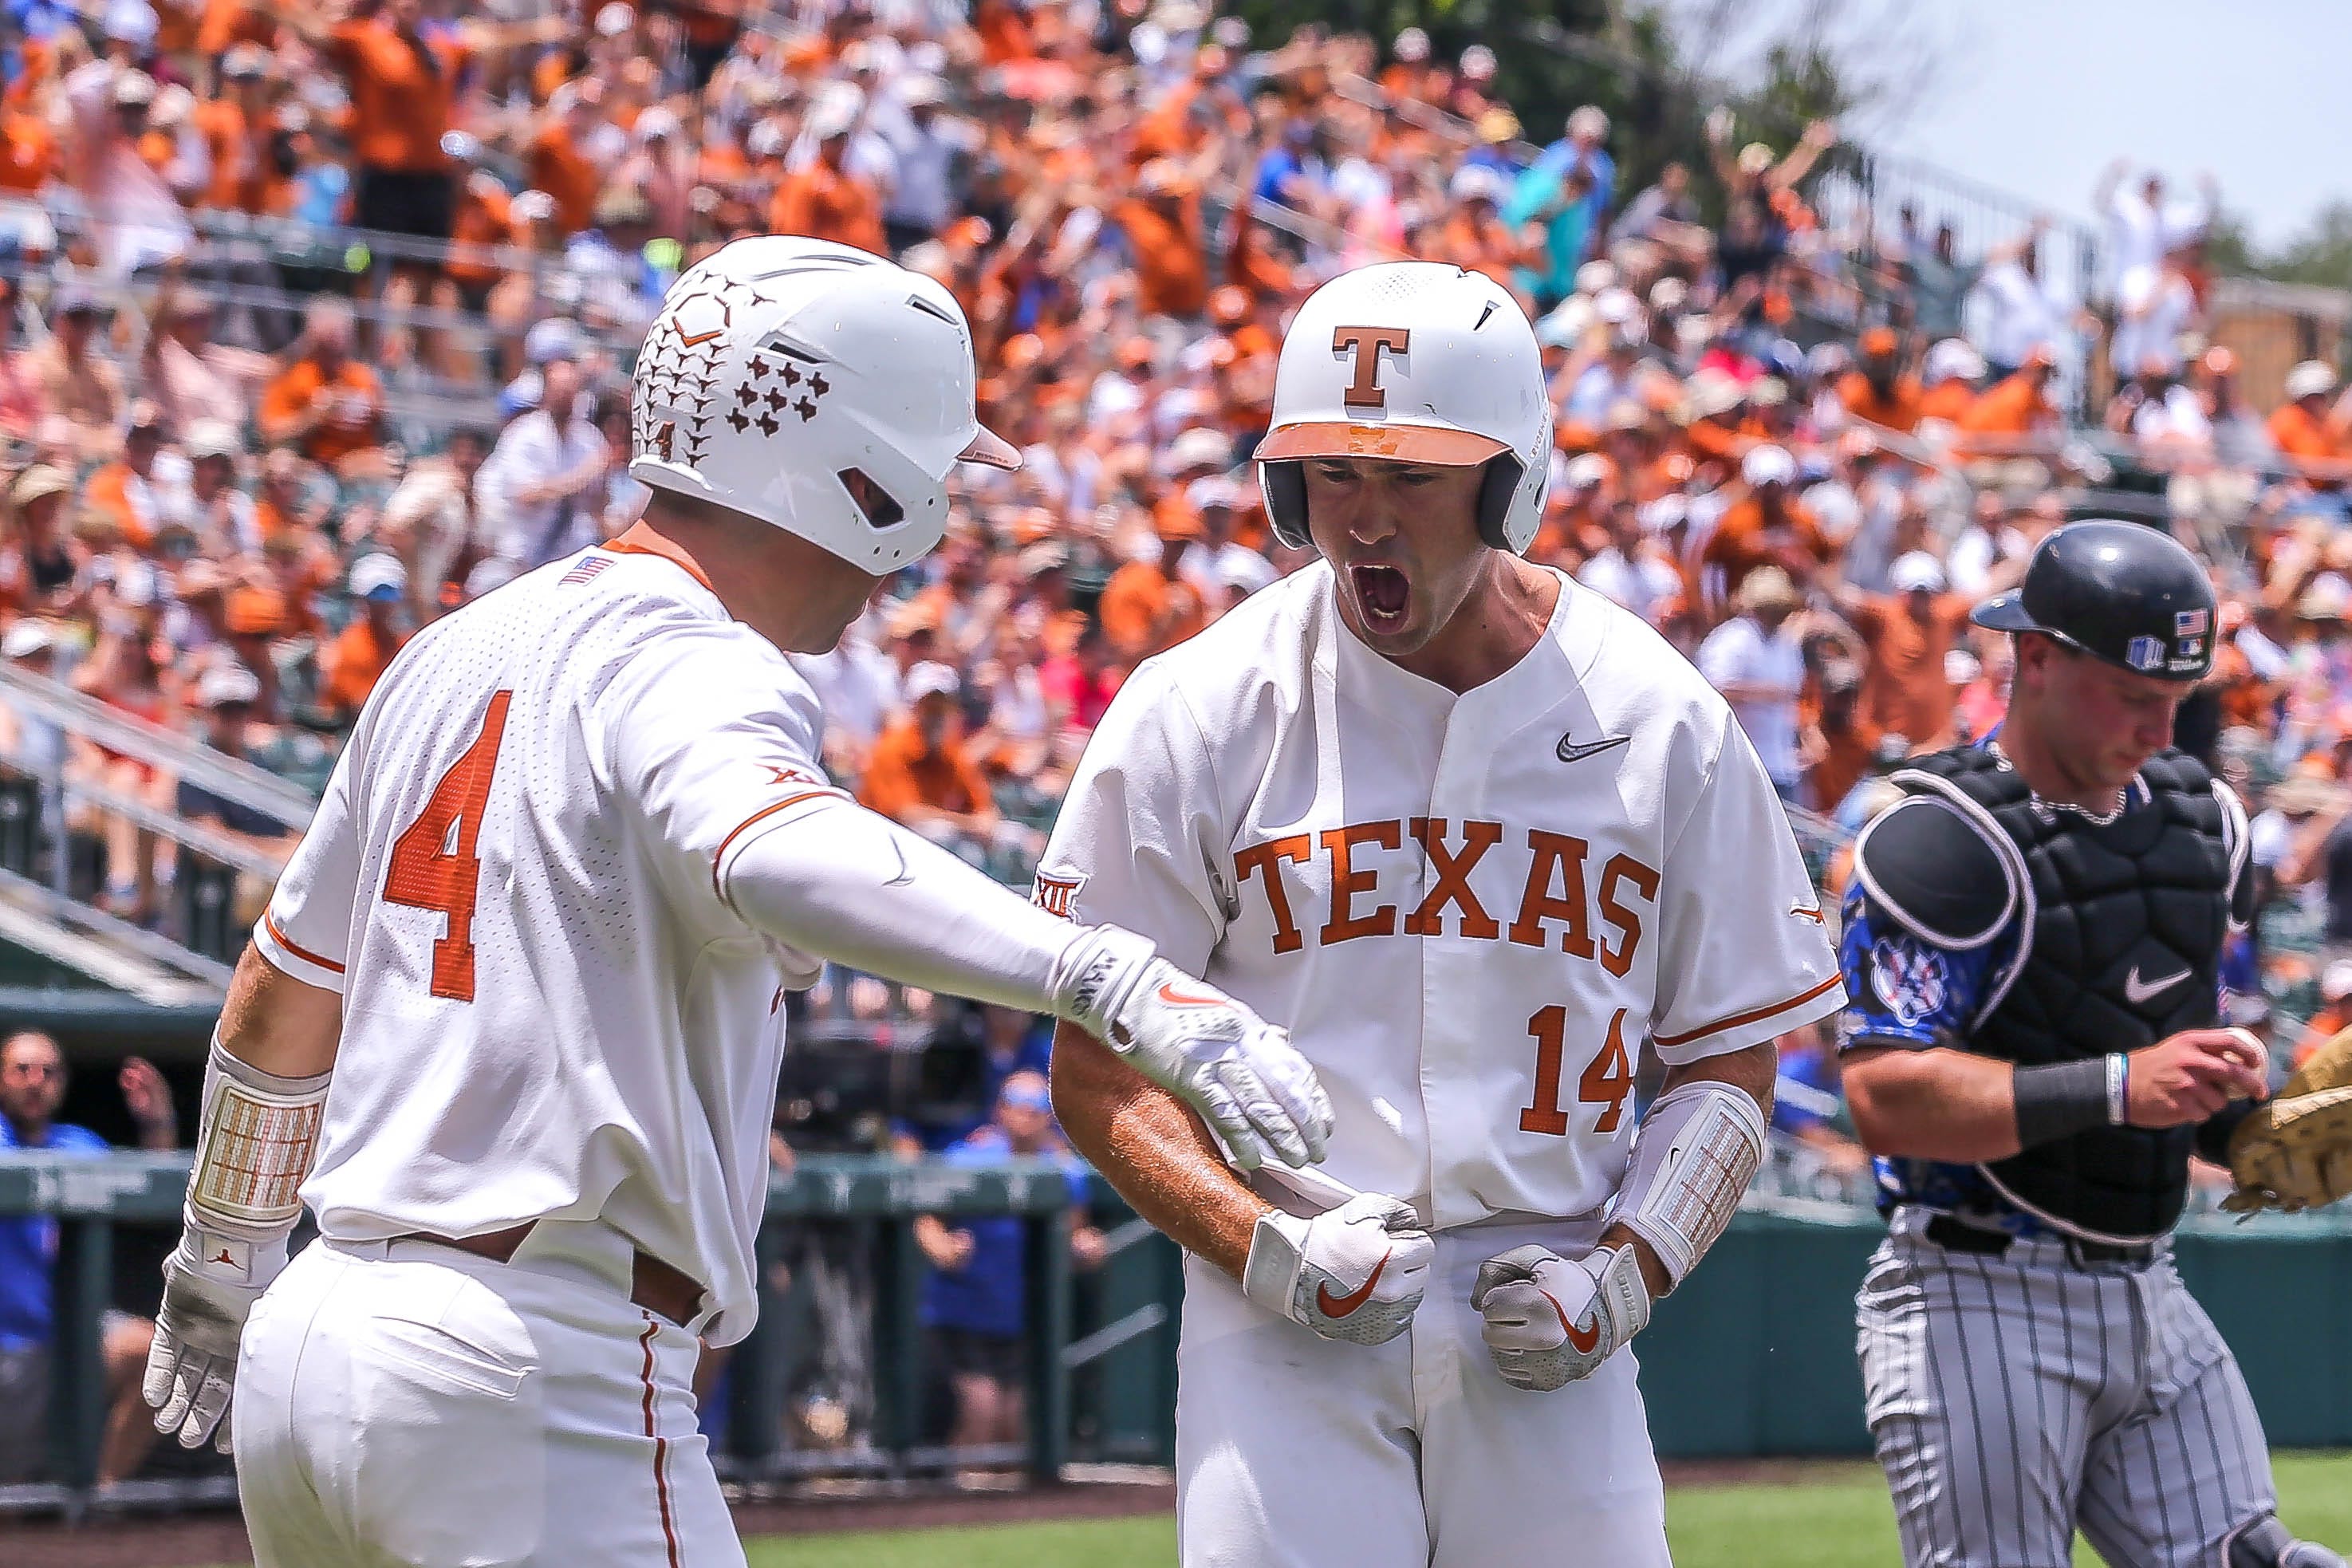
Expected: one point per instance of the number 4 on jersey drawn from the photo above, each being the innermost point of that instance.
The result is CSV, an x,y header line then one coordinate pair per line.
x,y
432,866
1608,1081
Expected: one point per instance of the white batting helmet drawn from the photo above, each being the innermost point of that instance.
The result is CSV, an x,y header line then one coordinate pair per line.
x,y
1416,362
815,387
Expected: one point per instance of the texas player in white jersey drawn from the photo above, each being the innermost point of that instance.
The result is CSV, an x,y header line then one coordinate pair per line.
x,y
538,937
1475,834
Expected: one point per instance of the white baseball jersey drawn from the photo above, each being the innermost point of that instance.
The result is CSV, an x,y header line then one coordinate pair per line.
x,y
518,881
1469,911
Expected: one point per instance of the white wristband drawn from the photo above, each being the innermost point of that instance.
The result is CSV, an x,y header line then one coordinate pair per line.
x,y
2118,1089
1694,1155
254,1140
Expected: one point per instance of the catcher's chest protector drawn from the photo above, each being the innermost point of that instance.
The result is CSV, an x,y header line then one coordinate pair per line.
x,y
2124,947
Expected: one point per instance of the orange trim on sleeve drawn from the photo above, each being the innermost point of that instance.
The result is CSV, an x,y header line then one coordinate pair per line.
x,y
269,923
1738,1020
719,857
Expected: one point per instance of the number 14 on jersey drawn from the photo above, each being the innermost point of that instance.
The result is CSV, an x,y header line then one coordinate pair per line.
x,y
1606,1081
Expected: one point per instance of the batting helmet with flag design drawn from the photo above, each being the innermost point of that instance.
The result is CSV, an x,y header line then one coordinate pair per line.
x,y
1414,361
815,387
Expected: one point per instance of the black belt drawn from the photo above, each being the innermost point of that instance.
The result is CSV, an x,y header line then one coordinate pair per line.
x,y
1959,1237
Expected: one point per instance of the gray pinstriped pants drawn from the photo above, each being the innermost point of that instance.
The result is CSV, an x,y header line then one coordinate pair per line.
x,y
2015,1397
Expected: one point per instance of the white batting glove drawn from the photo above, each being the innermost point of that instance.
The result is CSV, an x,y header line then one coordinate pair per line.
x,y
1354,1273
210,1285
1550,1321
1237,1070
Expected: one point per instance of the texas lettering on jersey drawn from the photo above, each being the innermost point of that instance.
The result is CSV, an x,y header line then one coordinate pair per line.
x,y
1572,899
1473,931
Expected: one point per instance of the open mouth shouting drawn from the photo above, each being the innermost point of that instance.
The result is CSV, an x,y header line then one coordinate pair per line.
x,y
1383,593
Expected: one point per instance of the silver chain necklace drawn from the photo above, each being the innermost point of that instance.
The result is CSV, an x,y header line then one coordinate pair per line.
x,y
2050,808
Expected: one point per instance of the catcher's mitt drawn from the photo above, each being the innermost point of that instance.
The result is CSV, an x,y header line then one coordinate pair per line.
x,y
2295,1151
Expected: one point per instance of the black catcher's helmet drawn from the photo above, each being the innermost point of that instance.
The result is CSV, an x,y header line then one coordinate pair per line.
x,y
2119,590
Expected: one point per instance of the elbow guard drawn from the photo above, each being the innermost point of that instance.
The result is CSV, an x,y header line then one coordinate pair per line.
x,y
1695,1154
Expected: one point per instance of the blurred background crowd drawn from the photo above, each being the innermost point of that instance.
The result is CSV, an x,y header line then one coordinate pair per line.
x,y
316,323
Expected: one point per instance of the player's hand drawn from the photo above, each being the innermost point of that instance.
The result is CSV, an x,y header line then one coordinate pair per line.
x,y
192,1366
2189,1077
1356,1272
1549,1321
1237,1070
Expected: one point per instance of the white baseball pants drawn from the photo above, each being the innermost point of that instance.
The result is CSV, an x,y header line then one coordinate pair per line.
x,y
402,1403
1296,1451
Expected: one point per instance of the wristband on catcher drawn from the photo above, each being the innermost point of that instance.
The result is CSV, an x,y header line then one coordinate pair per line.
x,y
2058,1099
255,1141
1695,1153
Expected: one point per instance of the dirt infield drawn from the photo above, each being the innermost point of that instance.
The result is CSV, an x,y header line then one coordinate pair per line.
x,y
200,1540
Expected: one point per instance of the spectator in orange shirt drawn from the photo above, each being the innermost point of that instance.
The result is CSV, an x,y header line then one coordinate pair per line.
x,y
364,650
126,489
824,201
28,153
1876,389
236,128
1906,689
2014,413
1838,743
2305,430
1768,528
403,87
325,404
1148,606
920,773
1952,371
556,162
1163,227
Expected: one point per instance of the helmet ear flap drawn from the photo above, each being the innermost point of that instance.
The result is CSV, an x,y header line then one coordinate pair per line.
x,y
1284,485
1495,492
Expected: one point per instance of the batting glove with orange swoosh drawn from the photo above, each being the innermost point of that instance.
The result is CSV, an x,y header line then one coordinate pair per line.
x,y
1356,1272
1549,1321
1237,1070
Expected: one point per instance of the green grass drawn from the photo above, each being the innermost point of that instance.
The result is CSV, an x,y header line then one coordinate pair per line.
x,y
1839,1518
1065,1543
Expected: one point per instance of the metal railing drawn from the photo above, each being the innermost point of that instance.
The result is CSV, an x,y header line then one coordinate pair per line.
x,y
872,1202
41,880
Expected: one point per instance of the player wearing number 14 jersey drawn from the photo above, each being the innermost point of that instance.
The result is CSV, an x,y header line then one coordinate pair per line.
x,y
1475,834
538,939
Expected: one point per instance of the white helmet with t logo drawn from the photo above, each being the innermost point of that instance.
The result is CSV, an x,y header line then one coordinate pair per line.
x,y
815,387
1414,362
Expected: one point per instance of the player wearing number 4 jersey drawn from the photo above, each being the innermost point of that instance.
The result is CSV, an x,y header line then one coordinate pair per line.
x,y
1475,834
538,935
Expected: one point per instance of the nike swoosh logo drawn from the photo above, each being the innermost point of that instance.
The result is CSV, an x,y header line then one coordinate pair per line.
x,y
1332,1306
1574,751
904,875
1175,998
698,340
1583,1343
2137,991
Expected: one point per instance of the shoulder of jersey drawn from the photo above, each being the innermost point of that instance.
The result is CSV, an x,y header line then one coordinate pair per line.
x,y
1631,673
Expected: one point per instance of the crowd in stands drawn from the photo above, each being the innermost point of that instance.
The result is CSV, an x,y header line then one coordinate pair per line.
x,y
248,455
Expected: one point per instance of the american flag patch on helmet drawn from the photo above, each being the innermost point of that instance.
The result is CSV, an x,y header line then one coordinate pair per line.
x,y
585,571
